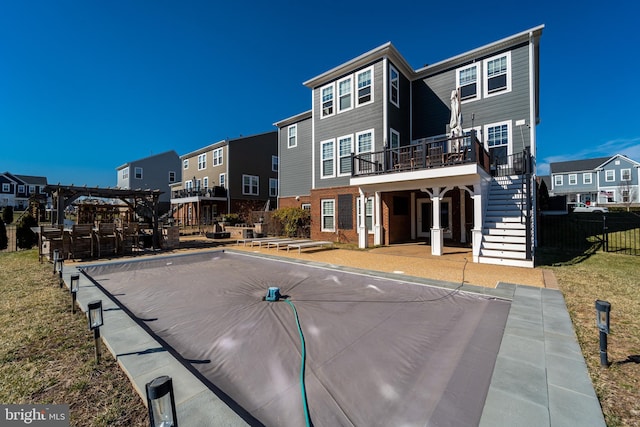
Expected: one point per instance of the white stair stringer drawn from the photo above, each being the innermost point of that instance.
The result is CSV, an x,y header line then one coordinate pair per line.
x,y
504,233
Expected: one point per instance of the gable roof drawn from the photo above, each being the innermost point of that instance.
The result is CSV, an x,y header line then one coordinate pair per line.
x,y
146,158
32,180
618,156
577,165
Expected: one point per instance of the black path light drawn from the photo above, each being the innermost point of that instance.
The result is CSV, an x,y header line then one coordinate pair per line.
x,y
94,309
59,266
74,286
602,320
161,402
56,256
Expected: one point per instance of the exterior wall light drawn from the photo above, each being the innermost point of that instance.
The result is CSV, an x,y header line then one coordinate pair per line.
x,y
602,320
73,289
161,402
94,309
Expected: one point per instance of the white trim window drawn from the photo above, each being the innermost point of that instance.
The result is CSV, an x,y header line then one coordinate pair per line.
x,y
327,107
345,94
138,172
327,158
573,179
557,181
222,180
394,141
328,215
125,173
364,81
497,74
292,135
217,157
587,178
6,187
345,148
368,213
250,185
394,86
364,141
274,163
202,161
498,139
609,175
185,164
205,182
467,81
172,176
21,189
273,187
625,174
188,185
306,207
32,189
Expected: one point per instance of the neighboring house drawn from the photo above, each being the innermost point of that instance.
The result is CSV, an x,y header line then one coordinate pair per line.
x,y
15,190
229,176
156,172
601,181
374,163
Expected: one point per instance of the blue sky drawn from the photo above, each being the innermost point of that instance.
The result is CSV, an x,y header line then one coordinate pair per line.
x,y
87,85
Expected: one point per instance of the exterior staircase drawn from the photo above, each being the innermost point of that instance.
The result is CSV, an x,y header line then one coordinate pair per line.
x,y
506,232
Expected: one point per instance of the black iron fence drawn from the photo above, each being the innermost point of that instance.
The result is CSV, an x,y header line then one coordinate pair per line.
x,y
581,232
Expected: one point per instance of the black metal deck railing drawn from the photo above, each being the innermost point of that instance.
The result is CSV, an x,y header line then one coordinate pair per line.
x,y
433,153
200,192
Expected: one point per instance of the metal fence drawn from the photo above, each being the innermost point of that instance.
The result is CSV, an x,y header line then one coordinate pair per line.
x,y
613,232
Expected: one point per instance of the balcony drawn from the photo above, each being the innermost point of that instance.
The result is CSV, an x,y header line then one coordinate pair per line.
x,y
427,153
200,193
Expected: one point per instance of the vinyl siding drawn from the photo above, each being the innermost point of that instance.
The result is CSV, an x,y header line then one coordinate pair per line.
x,y
399,118
295,162
432,101
251,156
348,123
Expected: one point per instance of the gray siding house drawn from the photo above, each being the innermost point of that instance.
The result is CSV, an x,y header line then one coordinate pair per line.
x,y
230,176
15,190
599,181
156,172
383,165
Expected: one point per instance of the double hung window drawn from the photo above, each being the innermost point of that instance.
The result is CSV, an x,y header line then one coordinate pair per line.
x,y
327,100
328,214
250,185
328,158
202,161
365,83
394,86
345,90
345,146
467,81
293,136
497,74
217,157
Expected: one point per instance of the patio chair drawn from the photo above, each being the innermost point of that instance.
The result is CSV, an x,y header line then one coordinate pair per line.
x,y
50,239
106,238
81,241
129,237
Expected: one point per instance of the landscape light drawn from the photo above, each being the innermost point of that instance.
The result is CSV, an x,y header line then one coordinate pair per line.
x,y
161,402
73,288
60,263
602,320
94,309
56,255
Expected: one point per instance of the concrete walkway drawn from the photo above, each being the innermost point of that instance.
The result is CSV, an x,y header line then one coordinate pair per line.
x,y
540,377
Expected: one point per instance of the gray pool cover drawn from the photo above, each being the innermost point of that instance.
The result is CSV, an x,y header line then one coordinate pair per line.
x,y
379,352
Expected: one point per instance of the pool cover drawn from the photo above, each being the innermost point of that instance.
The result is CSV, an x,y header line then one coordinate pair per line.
x,y
379,352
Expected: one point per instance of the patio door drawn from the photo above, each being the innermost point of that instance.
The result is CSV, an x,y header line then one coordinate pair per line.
x,y
424,218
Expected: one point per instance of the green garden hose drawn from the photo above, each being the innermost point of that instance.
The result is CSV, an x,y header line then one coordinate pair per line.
x,y
302,386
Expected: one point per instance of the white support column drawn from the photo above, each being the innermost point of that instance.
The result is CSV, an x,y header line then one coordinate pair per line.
x,y
477,222
413,215
437,236
463,217
377,219
362,223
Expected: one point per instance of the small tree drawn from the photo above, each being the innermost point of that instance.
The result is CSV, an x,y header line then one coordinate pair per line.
x,y
4,240
24,236
293,220
7,215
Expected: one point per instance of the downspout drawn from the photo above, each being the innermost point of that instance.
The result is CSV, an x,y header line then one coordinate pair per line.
x,y
313,142
385,107
279,166
228,178
532,214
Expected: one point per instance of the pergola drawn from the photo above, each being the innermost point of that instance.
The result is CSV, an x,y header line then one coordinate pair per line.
x,y
64,195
